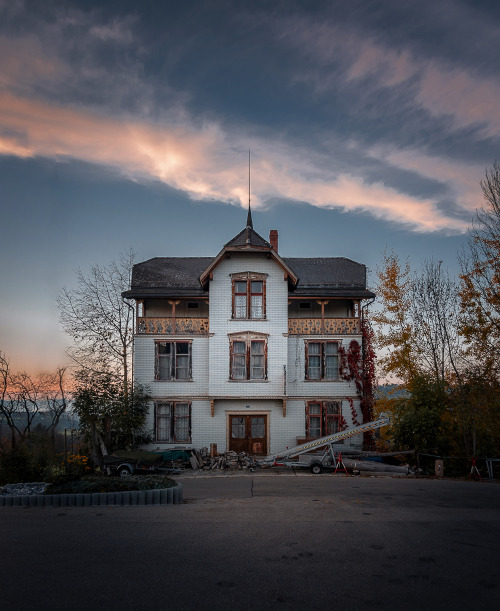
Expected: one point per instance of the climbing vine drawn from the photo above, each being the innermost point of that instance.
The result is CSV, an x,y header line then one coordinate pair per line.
x,y
358,365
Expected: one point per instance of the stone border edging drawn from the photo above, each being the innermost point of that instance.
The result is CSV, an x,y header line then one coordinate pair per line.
x,y
159,496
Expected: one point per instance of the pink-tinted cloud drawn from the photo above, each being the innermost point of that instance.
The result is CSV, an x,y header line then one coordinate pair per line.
x,y
200,162
461,179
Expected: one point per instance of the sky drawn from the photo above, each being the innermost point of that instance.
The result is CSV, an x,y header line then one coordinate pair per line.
x,y
127,124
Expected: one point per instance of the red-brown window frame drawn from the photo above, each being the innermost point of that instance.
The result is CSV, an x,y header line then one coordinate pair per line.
x,y
247,339
172,405
173,365
249,278
323,355
324,416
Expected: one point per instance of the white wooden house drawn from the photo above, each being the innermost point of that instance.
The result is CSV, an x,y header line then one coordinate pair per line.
x,y
244,349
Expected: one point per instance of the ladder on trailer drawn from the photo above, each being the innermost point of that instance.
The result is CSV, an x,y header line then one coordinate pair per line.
x,y
329,440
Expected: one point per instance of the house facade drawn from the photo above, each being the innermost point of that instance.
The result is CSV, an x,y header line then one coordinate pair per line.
x,y
247,349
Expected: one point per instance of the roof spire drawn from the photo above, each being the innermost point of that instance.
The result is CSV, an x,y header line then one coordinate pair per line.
x,y
249,216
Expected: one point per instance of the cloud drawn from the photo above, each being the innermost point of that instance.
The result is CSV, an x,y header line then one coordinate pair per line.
x,y
461,179
201,162
76,87
350,57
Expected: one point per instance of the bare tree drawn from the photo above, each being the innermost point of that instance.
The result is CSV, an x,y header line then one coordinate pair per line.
x,y
435,319
55,397
25,397
99,320
419,322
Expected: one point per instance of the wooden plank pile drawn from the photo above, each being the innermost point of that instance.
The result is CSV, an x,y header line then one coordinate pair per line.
x,y
201,459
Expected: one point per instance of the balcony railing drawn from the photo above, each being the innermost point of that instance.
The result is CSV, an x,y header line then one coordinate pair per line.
x,y
172,326
325,326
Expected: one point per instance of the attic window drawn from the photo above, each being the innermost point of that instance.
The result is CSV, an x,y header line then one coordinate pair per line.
x,y
192,304
305,305
249,296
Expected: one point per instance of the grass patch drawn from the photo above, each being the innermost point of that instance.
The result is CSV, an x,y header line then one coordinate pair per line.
x,y
100,483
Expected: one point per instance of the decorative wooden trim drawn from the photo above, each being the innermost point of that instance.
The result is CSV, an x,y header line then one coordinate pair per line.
x,y
327,326
284,408
172,326
212,407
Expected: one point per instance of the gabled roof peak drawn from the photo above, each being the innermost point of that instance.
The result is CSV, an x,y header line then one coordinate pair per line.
x,y
246,238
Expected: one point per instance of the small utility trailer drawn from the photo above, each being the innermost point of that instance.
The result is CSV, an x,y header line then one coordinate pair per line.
x,y
319,461
125,462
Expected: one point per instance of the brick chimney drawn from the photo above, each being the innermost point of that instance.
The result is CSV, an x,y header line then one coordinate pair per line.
x,y
273,239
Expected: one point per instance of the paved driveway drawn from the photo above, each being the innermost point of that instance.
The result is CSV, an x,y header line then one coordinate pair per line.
x,y
263,543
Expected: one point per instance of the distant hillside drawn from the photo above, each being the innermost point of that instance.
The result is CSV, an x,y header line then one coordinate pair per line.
x,y
391,391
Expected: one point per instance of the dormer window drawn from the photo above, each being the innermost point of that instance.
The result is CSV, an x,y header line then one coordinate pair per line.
x,y
249,296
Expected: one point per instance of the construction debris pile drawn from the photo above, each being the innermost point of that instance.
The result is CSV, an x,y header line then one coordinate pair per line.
x,y
202,459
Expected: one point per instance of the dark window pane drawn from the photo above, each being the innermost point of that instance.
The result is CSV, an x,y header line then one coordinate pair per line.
x,y
314,348
182,348
164,367
332,368
314,367
315,426
332,408
238,428
314,408
258,427
257,348
163,348
331,348
182,368
332,426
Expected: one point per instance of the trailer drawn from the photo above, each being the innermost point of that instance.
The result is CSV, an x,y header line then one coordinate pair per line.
x,y
127,462
326,459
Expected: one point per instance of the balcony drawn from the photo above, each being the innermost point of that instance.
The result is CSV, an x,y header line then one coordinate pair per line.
x,y
325,326
172,326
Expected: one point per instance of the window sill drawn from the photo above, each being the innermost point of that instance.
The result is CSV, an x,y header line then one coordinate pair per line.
x,y
323,380
247,319
249,381
173,380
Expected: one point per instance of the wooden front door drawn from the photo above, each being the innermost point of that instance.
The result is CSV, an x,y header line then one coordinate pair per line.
x,y
248,434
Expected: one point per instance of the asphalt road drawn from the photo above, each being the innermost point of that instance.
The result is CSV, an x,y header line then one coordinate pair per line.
x,y
263,543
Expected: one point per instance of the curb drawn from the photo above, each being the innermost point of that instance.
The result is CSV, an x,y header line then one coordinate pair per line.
x,y
159,496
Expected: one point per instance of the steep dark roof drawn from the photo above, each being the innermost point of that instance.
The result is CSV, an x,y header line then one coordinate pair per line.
x,y
168,276
248,237
329,276
180,277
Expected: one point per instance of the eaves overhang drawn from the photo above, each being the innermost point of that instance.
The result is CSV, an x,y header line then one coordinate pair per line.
x,y
162,292
338,293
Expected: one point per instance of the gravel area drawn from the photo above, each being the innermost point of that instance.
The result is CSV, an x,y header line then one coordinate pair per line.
x,y
25,489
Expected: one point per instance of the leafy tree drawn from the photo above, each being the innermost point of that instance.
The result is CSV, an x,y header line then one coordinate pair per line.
x,y
480,281
99,320
111,417
395,336
418,422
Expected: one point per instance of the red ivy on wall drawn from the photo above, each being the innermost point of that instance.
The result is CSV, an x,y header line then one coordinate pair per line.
x,y
359,365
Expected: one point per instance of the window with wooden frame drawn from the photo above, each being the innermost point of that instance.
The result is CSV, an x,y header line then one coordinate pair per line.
x,y
173,421
248,356
249,296
323,418
173,361
322,360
